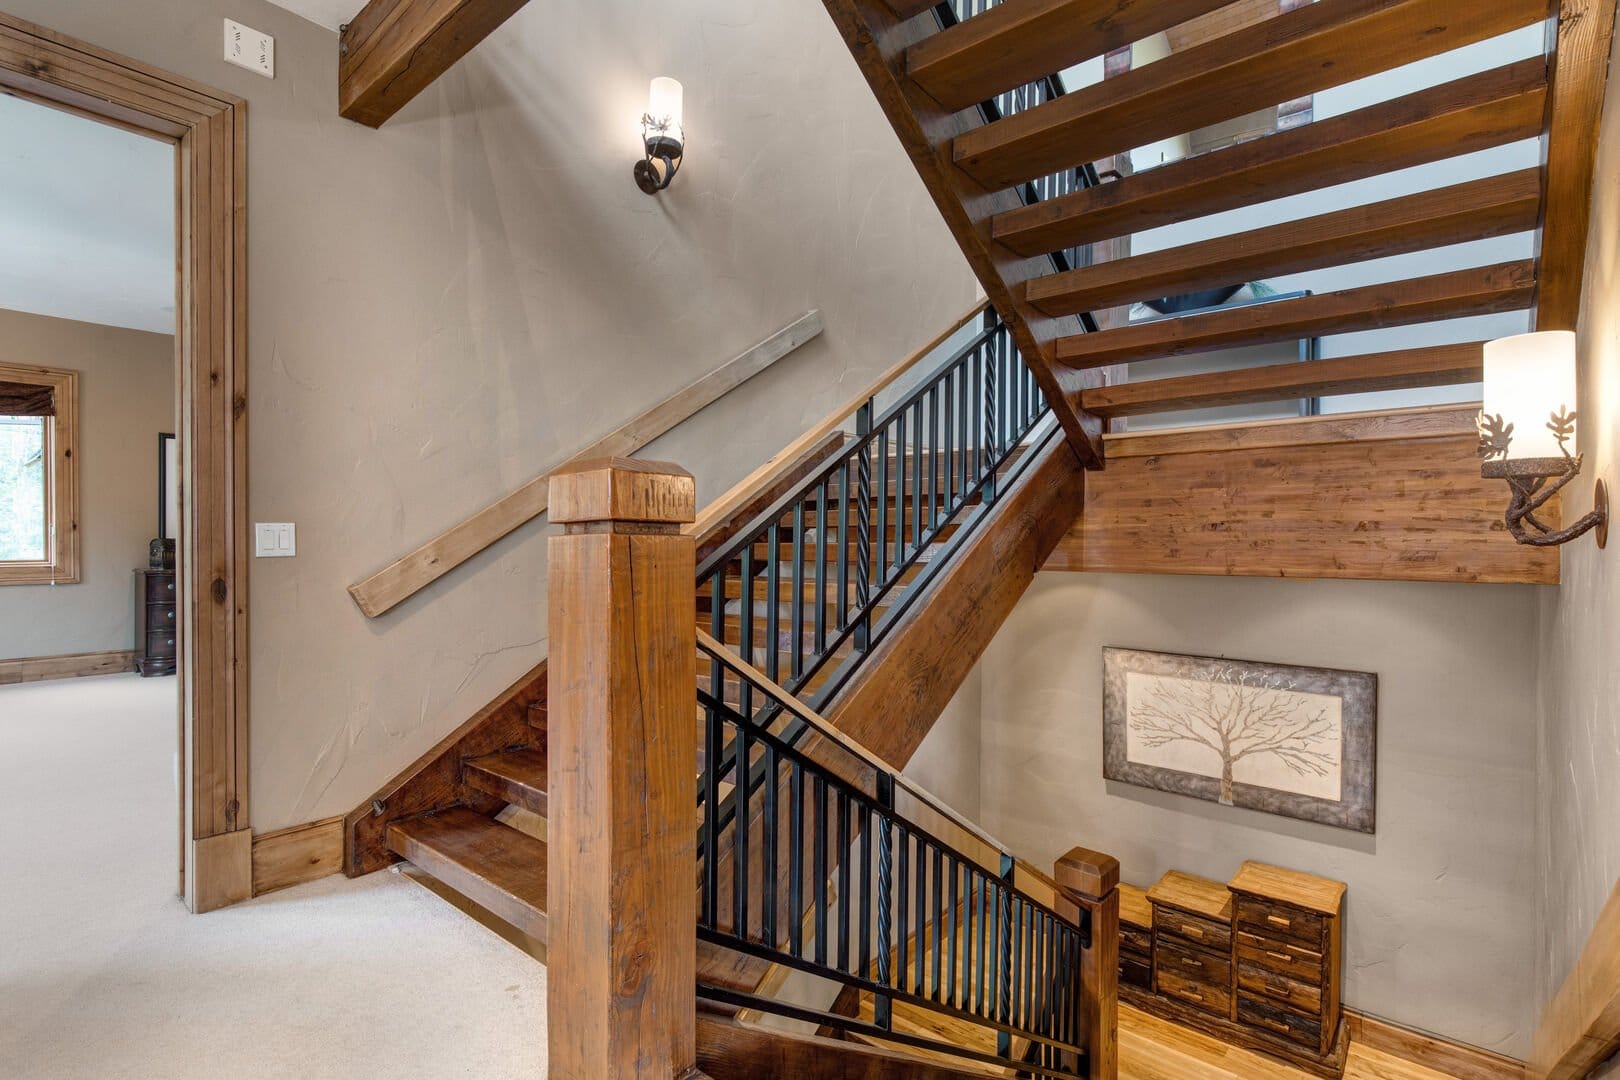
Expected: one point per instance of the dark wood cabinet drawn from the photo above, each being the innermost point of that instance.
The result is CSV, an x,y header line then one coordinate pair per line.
x,y
157,630
1255,961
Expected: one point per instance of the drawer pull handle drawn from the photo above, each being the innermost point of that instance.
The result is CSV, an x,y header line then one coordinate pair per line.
x,y
1193,932
1187,961
1278,920
1279,956
1274,1025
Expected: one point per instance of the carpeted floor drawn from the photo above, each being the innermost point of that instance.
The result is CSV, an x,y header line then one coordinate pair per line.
x,y
104,974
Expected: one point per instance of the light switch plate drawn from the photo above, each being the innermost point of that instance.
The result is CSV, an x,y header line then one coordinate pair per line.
x,y
250,48
275,539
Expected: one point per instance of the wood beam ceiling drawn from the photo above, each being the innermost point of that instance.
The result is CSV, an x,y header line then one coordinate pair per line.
x,y
394,49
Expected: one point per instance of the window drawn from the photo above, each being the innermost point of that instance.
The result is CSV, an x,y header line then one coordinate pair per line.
x,y
39,483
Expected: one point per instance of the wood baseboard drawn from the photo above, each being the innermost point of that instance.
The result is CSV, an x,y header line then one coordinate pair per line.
x,y
1455,1059
1580,1029
297,854
65,666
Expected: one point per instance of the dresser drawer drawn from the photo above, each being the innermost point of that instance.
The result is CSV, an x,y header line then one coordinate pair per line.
x,y
1210,998
160,618
1140,941
159,588
157,644
1199,931
1281,958
1305,998
1275,1020
1135,971
1279,922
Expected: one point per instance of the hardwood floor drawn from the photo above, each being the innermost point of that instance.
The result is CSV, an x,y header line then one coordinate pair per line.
x,y
1154,1049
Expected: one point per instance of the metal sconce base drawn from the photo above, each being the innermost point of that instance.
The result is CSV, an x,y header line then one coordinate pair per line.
x,y
1528,480
655,171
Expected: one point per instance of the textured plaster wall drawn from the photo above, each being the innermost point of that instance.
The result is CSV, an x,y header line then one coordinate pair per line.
x,y
1434,896
443,308
126,397
1578,817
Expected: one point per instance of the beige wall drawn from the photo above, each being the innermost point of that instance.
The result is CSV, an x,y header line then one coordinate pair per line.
x,y
441,309
1578,819
1438,897
126,397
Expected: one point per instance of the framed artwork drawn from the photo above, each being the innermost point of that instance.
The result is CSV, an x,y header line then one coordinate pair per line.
x,y
1295,741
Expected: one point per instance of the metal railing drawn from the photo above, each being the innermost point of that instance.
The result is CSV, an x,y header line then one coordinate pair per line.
x,y
805,862
840,559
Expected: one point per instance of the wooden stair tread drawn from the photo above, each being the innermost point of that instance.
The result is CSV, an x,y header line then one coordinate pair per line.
x,y
493,865
518,776
1021,41
1475,113
1493,206
1292,54
1402,369
1482,290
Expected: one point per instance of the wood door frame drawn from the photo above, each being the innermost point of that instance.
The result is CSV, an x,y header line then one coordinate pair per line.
x,y
208,129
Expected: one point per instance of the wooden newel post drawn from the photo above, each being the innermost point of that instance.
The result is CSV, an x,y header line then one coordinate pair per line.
x,y
622,731
1089,881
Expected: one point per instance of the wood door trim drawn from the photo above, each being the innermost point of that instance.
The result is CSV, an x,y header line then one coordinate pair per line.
x,y
209,131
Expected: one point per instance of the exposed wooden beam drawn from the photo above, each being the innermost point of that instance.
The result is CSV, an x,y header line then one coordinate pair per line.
x,y
1403,369
1296,53
878,40
1503,287
1580,1029
1423,422
909,9
394,49
1481,111
1580,67
1023,40
1493,206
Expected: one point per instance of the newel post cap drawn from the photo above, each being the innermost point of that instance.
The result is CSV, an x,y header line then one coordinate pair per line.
x,y
622,489
1088,873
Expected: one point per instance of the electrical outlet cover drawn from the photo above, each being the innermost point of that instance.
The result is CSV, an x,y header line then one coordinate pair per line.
x,y
250,48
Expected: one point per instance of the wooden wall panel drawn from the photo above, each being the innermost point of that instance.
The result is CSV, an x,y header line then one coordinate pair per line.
x,y
1391,496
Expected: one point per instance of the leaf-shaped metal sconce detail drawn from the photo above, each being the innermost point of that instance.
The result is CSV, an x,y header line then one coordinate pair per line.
x,y
1494,436
1562,425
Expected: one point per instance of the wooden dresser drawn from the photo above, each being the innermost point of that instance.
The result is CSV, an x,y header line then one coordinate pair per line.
x,y
1255,961
156,625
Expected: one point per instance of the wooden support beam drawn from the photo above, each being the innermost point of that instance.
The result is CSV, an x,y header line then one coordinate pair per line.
x,y
1296,53
878,40
1580,66
412,573
1503,287
1475,113
620,902
394,49
1402,369
1089,881
1580,1029
1020,41
1493,206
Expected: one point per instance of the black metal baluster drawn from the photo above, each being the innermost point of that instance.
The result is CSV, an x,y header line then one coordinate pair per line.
x,y
933,458
937,908
796,859
712,741
739,836
796,609
770,822
948,423
916,478
899,491
863,550
979,1005
919,980
843,544
745,621
964,426
864,952
1004,954
821,568
988,472
819,787
845,898
951,933
903,938
885,911
882,541
773,600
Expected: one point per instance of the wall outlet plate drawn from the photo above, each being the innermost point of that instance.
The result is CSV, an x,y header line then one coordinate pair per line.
x,y
275,539
250,48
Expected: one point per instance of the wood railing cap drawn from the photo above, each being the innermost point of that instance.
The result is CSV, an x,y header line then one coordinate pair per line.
x,y
1087,872
623,489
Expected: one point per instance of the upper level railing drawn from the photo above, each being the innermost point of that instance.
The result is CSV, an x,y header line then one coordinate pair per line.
x,y
805,861
838,560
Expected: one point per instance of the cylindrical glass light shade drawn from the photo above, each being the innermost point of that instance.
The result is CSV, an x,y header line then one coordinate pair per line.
x,y
664,101
1530,385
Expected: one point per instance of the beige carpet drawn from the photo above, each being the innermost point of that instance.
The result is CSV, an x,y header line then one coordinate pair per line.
x,y
104,974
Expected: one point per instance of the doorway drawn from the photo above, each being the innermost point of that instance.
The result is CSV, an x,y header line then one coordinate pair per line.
x,y
206,131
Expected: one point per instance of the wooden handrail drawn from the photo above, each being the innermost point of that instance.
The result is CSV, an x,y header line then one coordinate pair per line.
x,y
727,505
415,571
823,727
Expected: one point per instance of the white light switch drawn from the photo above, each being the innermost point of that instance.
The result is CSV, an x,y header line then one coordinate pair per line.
x,y
275,540
250,48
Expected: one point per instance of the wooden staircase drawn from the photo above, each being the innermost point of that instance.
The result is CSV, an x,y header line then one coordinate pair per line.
x,y
947,81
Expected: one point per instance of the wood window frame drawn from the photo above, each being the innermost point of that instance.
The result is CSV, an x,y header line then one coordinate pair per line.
x,y
209,130
61,563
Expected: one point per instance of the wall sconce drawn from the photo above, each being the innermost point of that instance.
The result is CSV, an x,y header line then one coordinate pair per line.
x,y
663,137
1525,430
